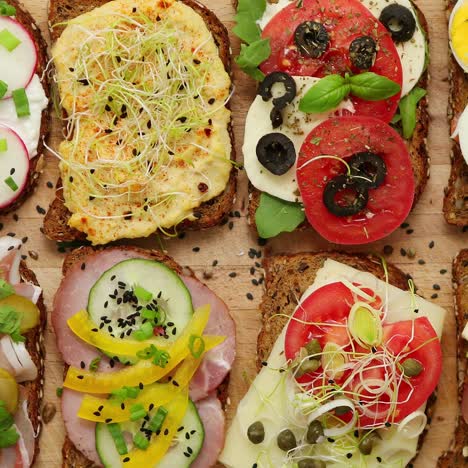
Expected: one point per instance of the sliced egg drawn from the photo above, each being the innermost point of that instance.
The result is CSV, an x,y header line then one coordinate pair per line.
x,y
296,126
458,33
462,133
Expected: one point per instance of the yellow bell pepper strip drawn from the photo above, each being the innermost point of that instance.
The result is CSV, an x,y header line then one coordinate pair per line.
x,y
143,372
104,410
160,444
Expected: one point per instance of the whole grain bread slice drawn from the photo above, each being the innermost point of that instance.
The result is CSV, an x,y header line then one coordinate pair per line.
x,y
417,144
72,457
454,457
208,214
37,163
286,279
456,193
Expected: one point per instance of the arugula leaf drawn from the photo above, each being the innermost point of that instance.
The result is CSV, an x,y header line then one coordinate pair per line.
x,y
325,95
10,322
6,289
255,8
274,216
252,55
373,87
246,29
407,108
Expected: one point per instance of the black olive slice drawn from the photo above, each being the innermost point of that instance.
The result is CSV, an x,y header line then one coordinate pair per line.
x,y
356,203
399,21
368,169
311,39
276,117
362,52
276,153
265,89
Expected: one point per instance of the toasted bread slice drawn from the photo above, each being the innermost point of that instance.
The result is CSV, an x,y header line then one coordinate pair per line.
x,y
454,456
286,279
417,145
37,163
210,213
456,193
72,457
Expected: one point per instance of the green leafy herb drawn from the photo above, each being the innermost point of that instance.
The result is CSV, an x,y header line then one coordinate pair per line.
x,y
396,118
8,434
3,88
408,106
274,216
196,346
10,322
59,391
252,55
160,356
142,294
332,89
248,12
6,419
94,364
7,10
6,289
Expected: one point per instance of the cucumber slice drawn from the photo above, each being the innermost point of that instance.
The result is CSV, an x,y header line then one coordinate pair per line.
x,y
113,305
190,437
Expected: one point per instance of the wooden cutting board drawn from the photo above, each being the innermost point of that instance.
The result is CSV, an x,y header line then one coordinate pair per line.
x,y
230,246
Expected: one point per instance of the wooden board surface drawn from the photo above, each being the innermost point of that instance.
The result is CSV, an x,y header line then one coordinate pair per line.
x,y
230,245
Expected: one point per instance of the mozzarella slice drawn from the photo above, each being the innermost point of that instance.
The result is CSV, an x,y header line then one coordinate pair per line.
x,y
296,126
462,133
270,396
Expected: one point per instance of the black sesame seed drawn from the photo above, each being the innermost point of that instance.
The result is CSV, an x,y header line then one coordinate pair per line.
x,y
108,420
211,101
331,440
431,244
436,287
379,459
434,296
387,424
166,431
196,249
404,225
83,266
82,364
409,231
97,413
140,386
403,252
249,296
81,377
443,271
388,250
40,210
180,429
126,459
187,435
233,274
189,450
349,455
50,184
421,261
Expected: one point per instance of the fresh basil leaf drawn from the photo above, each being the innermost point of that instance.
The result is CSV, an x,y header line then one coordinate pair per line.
x,y
246,28
396,118
255,8
325,95
407,107
274,216
373,87
6,289
252,55
8,438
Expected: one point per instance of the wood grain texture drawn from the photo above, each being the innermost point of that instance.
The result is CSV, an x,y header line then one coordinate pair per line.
x,y
231,246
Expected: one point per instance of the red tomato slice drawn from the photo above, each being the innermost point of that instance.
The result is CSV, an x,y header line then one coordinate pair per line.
x,y
388,205
345,20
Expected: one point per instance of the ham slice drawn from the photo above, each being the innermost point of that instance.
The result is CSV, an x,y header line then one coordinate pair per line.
x,y
212,416
29,291
10,258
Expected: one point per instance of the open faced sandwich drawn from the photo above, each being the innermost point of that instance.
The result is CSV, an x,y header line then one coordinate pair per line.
x,y
336,134
144,87
348,358
148,350
22,324
23,104
456,196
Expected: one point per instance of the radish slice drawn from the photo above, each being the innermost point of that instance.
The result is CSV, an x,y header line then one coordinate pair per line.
x,y
19,65
14,166
10,259
23,366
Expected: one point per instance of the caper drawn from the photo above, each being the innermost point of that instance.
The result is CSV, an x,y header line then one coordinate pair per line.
x,y
309,365
367,443
314,432
286,440
256,432
313,347
309,463
412,367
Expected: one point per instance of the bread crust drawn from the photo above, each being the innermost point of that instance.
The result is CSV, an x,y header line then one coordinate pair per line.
x,y
36,164
287,277
417,145
208,214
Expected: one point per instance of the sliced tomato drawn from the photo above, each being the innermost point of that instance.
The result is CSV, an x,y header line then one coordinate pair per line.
x,y
388,205
345,20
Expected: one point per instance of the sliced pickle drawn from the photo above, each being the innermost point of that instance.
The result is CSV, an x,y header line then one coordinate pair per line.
x,y
8,391
29,312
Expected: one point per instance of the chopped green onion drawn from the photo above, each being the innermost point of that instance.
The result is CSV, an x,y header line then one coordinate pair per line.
x,y
93,365
161,358
148,314
3,88
21,102
140,441
59,391
145,332
9,40
125,392
3,145
7,10
137,412
158,420
11,183
132,392
118,438
6,289
142,294
196,346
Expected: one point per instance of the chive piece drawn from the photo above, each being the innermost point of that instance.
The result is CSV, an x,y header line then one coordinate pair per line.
x,y
3,88
7,10
140,441
93,365
59,391
196,346
11,183
21,102
158,420
9,40
137,412
142,294
145,332
148,314
118,438
3,145
132,392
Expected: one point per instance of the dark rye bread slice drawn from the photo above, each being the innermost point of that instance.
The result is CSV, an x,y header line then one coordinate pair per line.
x,y
72,457
456,193
207,215
37,163
286,279
454,457
35,346
417,145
